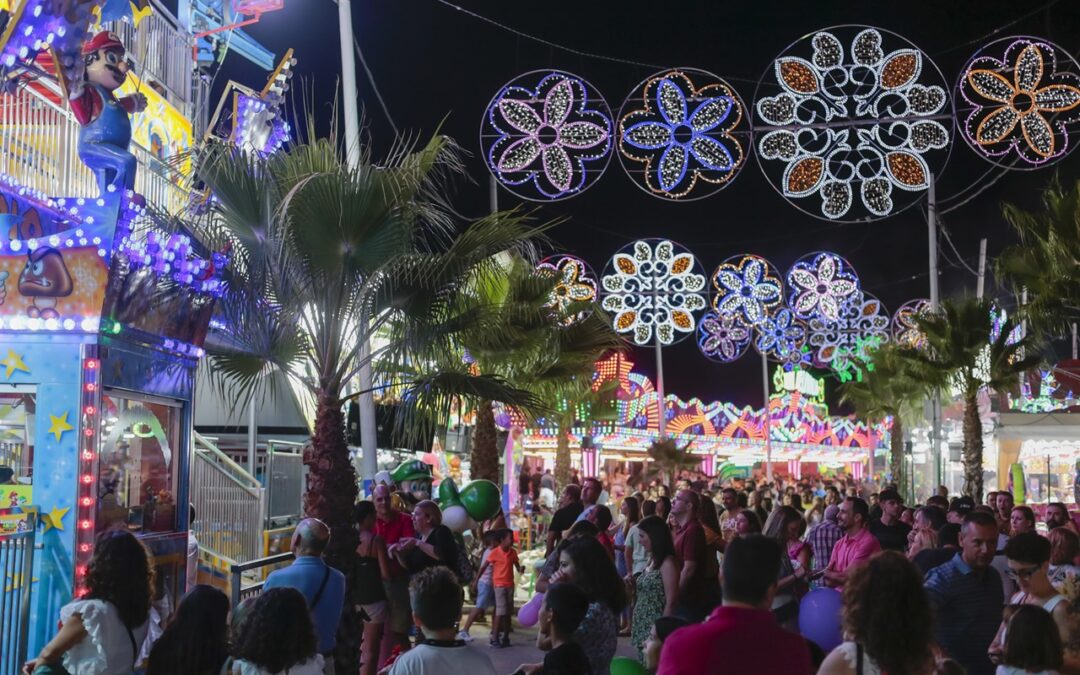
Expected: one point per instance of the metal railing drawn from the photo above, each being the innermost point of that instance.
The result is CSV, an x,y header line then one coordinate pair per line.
x,y
238,591
285,476
161,51
229,505
39,149
16,571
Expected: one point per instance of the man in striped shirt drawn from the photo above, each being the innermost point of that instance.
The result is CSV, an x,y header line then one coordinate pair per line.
x,y
967,597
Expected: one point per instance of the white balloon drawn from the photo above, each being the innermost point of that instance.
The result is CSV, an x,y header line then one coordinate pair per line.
x,y
456,518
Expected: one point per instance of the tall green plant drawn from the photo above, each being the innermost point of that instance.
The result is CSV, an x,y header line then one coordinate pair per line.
x,y
965,354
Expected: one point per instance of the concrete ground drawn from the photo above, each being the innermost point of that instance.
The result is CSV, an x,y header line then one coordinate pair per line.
x,y
522,647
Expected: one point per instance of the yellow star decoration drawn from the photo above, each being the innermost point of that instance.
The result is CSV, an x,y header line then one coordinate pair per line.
x,y
137,15
54,518
12,363
16,582
59,425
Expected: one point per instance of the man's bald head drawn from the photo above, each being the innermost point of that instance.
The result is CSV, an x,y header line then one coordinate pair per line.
x,y
311,537
382,495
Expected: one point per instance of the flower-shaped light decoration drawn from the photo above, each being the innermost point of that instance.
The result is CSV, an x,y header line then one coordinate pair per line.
x,y
781,336
550,140
723,337
1025,98
860,128
747,286
575,283
905,330
653,286
819,287
678,134
837,343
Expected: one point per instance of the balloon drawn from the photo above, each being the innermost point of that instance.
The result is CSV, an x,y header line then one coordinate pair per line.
x,y
621,665
456,518
502,420
448,493
481,498
529,613
819,618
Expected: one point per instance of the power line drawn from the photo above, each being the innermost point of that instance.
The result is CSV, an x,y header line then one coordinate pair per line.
x,y
375,87
998,30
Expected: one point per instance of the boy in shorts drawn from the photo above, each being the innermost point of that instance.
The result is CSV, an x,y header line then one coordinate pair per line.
x,y
503,559
482,589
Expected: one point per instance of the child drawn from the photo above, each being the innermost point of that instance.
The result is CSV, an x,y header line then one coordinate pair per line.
x,y
503,560
565,606
661,629
1032,643
482,589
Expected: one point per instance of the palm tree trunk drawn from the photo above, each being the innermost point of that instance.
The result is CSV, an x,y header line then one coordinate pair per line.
x,y
485,451
896,453
973,447
330,496
562,458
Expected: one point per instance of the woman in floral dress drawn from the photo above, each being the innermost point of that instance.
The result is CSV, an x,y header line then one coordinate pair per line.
x,y
658,585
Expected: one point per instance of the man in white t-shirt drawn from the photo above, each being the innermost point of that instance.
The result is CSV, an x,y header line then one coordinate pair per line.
x,y
436,604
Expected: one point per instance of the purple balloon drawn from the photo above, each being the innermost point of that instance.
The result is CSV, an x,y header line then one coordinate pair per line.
x,y
529,613
502,420
820,618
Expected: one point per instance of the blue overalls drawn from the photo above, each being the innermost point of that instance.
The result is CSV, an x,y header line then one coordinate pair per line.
x,y
103,144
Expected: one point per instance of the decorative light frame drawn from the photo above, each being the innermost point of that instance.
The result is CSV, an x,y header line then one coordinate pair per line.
x,y
747,285
905,332
819,284
577,283
547,135
673,152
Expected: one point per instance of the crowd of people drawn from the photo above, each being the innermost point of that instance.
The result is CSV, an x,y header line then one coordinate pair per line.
x,y
700,579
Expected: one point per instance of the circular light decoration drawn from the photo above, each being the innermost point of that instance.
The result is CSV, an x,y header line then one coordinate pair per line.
x,y
547,135
1024,98
818,286
747,286
723,337
861,324
781,336
679,134
653,285
576,283
859,128
905,330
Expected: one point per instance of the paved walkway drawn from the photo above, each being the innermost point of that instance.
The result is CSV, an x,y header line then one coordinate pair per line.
x,y
522,647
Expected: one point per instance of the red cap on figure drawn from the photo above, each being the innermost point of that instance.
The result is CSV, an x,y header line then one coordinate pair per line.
x,y
103,40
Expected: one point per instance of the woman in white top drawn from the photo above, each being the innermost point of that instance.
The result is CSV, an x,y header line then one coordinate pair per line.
x,y
887,621
102,633
1033,645
277,636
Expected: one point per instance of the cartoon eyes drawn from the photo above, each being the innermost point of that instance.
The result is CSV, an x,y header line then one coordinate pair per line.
x,y
38,269
112,58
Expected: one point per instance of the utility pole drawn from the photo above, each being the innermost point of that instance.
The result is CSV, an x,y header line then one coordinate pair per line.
x,y
369,437
935,403
768,417
982,269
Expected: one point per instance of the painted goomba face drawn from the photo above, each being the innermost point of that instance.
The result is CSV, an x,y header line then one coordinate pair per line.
x,y
45,275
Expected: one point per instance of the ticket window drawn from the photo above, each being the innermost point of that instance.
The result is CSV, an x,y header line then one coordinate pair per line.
x,y
138,463
17,418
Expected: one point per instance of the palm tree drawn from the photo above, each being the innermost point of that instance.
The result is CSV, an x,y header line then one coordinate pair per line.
x,y
579,401
887,390
966,352
1047,260
666,459
323,256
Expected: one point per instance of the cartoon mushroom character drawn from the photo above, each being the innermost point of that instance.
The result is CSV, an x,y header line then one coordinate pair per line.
x,y
44,279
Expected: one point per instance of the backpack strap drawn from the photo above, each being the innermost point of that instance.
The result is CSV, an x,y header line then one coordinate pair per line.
x,y
322,587
858,659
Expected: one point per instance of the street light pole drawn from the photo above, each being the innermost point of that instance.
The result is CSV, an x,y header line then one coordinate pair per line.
x,y
935,404
368,432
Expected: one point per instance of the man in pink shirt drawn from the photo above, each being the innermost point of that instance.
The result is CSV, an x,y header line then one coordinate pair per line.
x,y
856,545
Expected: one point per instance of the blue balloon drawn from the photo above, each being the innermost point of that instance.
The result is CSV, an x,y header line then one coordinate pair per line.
x,y
820,618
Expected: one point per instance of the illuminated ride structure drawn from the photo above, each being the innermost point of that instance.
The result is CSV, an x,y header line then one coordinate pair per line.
x,y
105,301
804,437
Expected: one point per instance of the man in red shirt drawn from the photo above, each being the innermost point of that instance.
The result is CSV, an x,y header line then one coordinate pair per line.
x,y
698,584
393,526
741,636
856,545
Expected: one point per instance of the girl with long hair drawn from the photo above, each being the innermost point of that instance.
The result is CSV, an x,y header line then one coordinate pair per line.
x,y
109,623
787,527
658,585
277,636
625,536
196,639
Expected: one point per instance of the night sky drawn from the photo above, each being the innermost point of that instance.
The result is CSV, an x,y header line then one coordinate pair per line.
x,y
434,63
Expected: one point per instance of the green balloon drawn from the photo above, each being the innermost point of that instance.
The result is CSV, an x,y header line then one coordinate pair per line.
x,y
448,493
621,665
481,499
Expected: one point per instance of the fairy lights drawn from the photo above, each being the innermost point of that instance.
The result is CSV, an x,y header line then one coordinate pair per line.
x,y
653,286
747,285
857,134
547,135
723,337
1024,96
576,284
90,420
905,328
820,285
678,134
842,344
